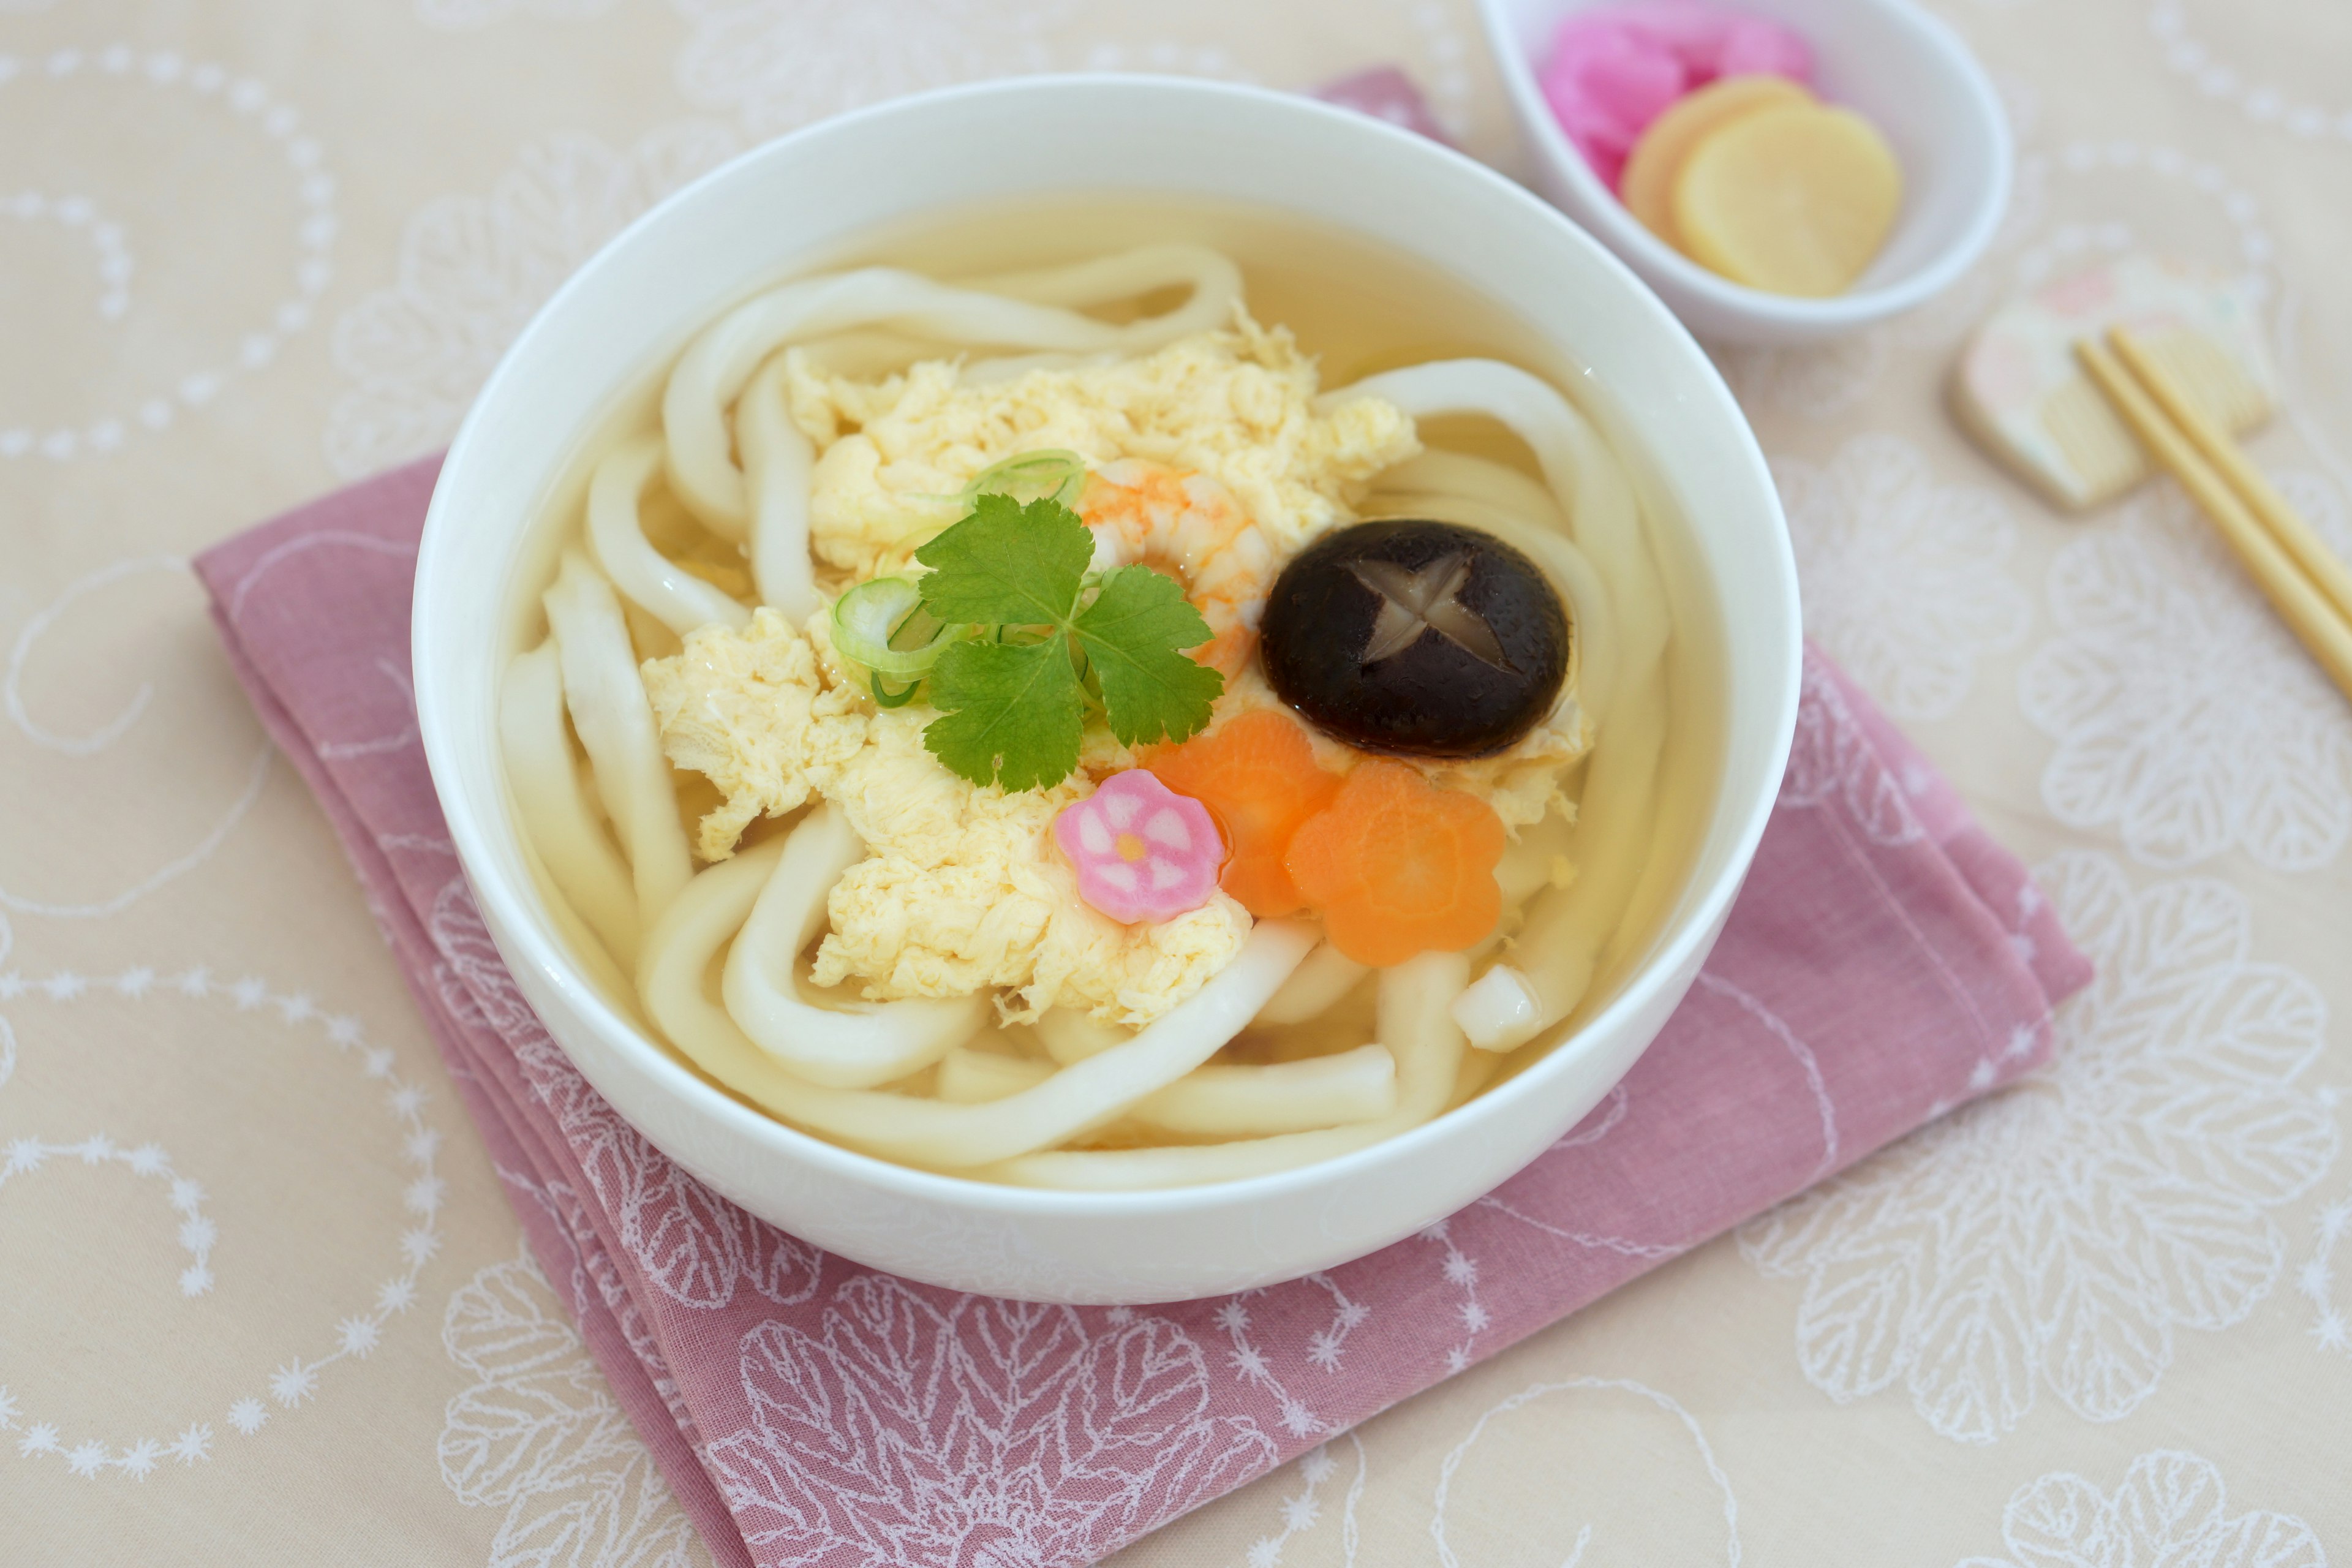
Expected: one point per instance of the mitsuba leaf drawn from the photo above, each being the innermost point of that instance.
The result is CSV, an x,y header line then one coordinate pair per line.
x,y
1007,564
1012,713
1132,635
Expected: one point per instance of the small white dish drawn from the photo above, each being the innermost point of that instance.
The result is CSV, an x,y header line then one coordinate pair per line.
x,y
1908,72
794,202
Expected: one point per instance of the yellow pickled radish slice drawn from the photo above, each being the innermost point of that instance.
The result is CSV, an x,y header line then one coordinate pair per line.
x,y
1649,182
1793,200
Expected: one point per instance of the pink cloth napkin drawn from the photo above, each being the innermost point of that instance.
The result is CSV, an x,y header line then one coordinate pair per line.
x,y
1886,962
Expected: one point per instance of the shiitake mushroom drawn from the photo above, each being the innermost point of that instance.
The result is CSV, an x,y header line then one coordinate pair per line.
x,y
1420,639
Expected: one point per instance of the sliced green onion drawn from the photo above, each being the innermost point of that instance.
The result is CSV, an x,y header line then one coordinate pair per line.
x,y
1053,473
883,626
886,698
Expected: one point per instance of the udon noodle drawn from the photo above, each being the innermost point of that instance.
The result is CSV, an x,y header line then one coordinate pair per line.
x,y
1062,1096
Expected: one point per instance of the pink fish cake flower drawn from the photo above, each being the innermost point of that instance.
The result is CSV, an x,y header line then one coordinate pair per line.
x,y
1142,851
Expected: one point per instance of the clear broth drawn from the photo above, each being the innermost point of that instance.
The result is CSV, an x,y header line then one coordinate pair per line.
x,y
1359,308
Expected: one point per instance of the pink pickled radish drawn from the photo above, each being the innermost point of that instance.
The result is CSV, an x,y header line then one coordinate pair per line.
x,y
1605,82
1614,69
1142,852
1627,74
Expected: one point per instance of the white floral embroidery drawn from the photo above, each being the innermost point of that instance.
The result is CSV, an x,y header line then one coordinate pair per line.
x,y
244,105
916,1427
82,215
1460,1271
1446,70
196,1232
1830,759
1801,1054
1731,1008
2170,1509
1326,1347
473,270
102,736
2063,1231
2199,191
1666,1403
2186,716
540,1434
2263,102
689,1243
2331,1327
1903,577
1600,1122
781,63
1302,1510
357,1334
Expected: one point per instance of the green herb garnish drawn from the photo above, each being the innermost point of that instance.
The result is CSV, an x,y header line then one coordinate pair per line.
x,y
1055,641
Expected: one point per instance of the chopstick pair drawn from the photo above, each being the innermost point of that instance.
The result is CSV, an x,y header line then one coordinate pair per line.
x,y
2305,583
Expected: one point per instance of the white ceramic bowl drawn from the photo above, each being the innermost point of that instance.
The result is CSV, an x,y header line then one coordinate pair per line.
x,y
758,220
1904,69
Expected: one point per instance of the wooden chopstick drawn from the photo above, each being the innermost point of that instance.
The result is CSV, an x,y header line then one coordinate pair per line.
x,y
2272,509
2308,613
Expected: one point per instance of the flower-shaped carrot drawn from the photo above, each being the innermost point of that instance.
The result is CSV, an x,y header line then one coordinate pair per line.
x,y
1142,853
1257,776
1399,866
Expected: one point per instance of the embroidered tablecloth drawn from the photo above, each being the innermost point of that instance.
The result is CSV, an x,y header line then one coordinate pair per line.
x,y
252,249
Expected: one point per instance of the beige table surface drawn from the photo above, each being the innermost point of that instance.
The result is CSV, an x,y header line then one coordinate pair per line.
x,y
251,248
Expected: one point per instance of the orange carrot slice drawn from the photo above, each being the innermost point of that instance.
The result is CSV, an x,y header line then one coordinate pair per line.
x,y
1257,775
1399,866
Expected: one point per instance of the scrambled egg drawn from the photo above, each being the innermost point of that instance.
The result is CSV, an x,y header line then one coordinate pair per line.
x,y
1236,406
748,711
959,890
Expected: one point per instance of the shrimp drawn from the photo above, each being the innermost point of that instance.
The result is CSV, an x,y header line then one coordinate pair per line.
x,y
1191,526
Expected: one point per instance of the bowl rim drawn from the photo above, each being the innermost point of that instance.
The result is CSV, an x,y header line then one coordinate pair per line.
x,y
507,908
1621,230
